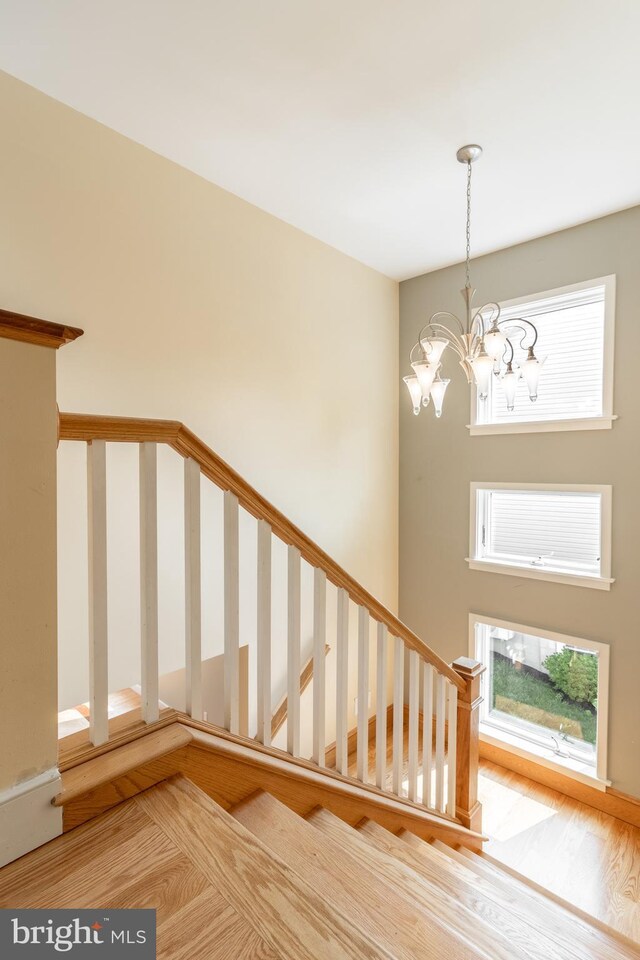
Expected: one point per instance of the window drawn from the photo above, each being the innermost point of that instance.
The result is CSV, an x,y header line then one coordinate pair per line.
x,y
544,531
575,341
544,694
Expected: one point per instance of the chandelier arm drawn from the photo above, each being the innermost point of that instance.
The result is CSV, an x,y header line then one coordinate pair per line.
x,y
479,320
494,318
443,313
419,345
508,345
515,322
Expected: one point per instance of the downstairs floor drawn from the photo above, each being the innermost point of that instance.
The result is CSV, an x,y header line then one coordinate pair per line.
x,y
578,853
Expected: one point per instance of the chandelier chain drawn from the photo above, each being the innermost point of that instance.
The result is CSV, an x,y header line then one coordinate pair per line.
x,y
467,268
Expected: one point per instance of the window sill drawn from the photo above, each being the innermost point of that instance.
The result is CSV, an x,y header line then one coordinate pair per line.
x,y
565,765
537,573
540,426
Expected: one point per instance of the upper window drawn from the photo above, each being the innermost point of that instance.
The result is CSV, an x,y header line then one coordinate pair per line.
x,y
545,531
575,343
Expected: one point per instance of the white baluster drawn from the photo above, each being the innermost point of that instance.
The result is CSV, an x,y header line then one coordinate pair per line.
x,y
440,715
149,581
452,723
193,605
362,745
342,673
381,707
414,702
398,716
427,733
98,632
319,641
231,615
263,659
293,653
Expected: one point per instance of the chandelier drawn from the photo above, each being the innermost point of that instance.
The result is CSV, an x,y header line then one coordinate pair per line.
x,y
483,343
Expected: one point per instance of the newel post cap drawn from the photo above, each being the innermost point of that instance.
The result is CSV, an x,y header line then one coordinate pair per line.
x,y
467,668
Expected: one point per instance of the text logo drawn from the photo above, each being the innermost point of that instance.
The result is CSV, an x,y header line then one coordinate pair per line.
x,y
99,934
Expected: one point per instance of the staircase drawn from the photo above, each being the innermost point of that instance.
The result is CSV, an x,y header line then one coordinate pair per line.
x,y
248,844
360,651
261,883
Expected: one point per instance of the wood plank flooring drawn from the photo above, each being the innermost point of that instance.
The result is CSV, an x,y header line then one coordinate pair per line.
x,y
588,858
219,894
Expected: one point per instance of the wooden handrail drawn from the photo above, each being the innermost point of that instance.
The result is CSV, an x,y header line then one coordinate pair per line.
x,y
87,427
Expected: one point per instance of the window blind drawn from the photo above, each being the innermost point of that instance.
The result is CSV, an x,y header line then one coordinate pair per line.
x,y
571,338
555,531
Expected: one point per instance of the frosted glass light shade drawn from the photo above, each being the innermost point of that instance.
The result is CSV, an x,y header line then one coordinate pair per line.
x,y
482,366
494,342
438,390
434,348
415,392
426,374
531,370
510,385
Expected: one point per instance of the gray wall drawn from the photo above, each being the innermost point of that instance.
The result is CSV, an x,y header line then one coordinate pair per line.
x,y
438,459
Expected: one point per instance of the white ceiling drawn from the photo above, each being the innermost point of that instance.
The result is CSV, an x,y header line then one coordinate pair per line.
x,y
343,116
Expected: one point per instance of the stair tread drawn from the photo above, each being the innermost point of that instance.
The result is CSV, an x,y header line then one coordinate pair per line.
x,y
535,943
548,934
473,930
283,909
370,901
583,925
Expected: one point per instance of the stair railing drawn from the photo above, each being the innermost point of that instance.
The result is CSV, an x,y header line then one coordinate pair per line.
x,y
449,694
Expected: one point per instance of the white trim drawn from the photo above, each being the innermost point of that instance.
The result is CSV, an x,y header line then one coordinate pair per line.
x,y
540,426
533,573
602,582
605,421
571,768
27,817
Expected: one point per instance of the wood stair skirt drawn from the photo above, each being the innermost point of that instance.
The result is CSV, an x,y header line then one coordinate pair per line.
x,y
229,768
260,881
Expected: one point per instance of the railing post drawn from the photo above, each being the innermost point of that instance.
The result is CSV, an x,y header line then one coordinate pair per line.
x,y
468,807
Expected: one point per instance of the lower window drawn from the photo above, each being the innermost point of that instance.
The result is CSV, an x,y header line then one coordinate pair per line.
x,y
544,694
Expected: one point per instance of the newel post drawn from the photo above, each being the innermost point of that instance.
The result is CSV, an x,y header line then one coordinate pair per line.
x,y
468,807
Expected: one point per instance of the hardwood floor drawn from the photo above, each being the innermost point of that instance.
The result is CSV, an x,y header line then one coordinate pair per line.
x,y
218,893
261,883
580,854
586,857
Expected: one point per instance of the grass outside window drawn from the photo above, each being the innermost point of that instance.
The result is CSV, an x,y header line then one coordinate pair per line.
x,y
529,695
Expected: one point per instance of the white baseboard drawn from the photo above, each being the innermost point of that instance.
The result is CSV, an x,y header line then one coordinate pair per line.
x,y
27,818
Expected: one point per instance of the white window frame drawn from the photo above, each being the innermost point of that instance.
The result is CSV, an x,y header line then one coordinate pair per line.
x,y
603,422
476,562
513,744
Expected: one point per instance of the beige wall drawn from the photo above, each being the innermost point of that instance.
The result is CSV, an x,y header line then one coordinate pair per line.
x,y
275,348
438,460
28,430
